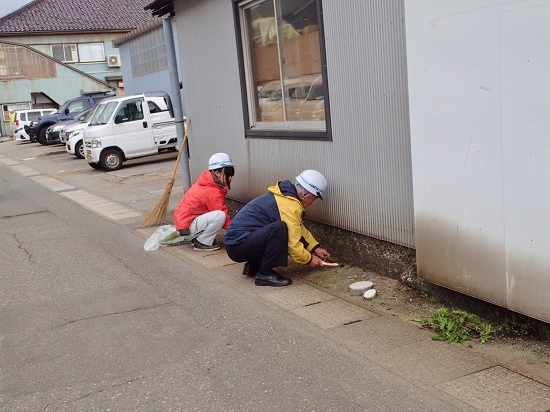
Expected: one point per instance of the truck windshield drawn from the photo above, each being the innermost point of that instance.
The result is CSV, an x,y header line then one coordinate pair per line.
x,y
103,113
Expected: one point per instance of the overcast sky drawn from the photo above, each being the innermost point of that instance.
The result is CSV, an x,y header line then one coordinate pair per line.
x,y
7,6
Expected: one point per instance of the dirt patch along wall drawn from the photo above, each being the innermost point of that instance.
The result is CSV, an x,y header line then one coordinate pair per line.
x,y
385,258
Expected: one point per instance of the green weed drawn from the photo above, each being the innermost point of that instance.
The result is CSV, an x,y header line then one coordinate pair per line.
x,y
430,298
457,326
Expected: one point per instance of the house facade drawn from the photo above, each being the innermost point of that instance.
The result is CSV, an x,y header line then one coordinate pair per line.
x,y
52,51
428,141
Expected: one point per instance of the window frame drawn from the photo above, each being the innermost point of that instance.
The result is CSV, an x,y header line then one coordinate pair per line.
x,y
72,47
247,85
91,46
78,48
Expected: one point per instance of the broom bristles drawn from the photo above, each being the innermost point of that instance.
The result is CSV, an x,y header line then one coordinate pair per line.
x,y
157,215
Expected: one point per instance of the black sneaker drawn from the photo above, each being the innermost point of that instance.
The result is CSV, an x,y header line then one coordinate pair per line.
x,y
201,247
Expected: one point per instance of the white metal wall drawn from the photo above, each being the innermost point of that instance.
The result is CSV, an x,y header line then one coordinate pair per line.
x,y
368,162
479,87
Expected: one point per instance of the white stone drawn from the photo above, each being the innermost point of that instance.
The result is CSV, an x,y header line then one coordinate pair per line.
x,y
369,294
358,288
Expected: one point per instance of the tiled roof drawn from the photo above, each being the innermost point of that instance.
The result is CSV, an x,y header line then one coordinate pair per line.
x,y
45,16
137,32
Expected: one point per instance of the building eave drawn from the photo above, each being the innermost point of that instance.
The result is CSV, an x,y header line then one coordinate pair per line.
x,y
161,7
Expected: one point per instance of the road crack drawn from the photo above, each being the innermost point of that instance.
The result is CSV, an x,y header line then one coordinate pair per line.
x,y
23,248
68,322
25,214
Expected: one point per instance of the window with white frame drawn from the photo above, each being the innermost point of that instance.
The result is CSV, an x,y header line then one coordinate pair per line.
x,y
283,65
91,52
75,52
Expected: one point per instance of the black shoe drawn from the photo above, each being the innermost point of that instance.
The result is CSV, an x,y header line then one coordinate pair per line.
x,y
272,279
201,247
249,271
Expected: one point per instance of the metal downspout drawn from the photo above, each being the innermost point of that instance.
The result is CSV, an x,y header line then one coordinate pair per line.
x,y
176,99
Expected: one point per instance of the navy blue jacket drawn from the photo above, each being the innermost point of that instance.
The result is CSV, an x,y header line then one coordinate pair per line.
x,y
281,203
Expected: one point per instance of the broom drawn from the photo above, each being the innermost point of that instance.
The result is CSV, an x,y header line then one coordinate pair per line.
x,y
156,216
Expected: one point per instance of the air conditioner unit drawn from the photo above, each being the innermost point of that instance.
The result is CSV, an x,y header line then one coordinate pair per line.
x,y
113,60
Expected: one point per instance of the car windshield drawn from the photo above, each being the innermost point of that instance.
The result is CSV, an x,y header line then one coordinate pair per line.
x,y
80,116
61,110
103,113
265,92
84,117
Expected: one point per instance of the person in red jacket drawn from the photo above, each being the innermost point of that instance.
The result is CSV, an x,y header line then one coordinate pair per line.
x,y
202,211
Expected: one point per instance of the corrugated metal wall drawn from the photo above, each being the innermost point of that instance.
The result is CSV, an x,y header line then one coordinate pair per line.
x,y
367,164
479,90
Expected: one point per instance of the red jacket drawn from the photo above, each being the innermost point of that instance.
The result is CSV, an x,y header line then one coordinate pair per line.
x,y
204,196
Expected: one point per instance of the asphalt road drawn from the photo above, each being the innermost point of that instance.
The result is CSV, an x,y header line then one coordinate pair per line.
x,y
91,322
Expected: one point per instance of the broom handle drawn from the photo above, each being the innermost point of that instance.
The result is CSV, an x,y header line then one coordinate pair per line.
x,y
188,123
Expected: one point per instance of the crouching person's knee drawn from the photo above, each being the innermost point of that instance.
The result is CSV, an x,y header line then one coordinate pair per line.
x,y
280,229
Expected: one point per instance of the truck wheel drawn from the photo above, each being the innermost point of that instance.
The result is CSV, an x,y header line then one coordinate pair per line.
x,y
111,159
79,150
94,166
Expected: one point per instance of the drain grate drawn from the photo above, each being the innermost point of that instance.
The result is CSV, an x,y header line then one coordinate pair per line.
x,y
500,389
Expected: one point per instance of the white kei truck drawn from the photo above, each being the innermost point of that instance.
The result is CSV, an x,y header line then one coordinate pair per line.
x,y
128,127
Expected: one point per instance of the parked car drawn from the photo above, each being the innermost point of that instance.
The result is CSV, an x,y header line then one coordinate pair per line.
x,y
37,130
24,118
72,135
295,91
128,127
265,92
53,133
313,107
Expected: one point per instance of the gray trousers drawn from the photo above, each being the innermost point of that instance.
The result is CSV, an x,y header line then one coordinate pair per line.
x,y
205,227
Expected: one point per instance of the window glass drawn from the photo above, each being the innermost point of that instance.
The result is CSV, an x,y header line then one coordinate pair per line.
x,y
129,112
78,106
65,52
284,76
103,113
153,108
33,115
44,48
91,52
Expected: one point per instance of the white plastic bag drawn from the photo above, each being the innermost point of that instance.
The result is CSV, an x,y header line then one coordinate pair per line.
x,y
155,240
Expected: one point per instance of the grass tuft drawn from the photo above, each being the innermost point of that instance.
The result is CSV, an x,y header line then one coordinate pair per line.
x,y
457,326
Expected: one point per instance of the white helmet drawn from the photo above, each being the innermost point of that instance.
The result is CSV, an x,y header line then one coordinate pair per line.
x,y
313,181
219,160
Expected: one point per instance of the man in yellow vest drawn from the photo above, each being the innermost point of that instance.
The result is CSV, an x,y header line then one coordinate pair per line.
x,y
11,118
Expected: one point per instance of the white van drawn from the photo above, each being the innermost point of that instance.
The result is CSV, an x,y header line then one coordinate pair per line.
x,y
72,135
25,117
128,127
